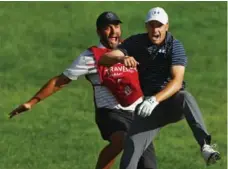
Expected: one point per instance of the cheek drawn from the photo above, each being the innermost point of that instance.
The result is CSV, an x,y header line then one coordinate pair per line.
x,y
119,33
105,35
166,28
106,32
164,31
147,28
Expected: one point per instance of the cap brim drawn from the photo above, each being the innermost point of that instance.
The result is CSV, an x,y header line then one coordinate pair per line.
x,y
154,19
115,22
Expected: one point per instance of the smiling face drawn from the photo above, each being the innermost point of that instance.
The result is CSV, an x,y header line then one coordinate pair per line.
x,y
157,31
110,35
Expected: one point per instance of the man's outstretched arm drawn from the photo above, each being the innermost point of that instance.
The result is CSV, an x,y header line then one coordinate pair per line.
x,y
53,85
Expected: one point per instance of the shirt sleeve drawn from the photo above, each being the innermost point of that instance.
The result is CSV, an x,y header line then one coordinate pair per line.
x,y
178,54
83,65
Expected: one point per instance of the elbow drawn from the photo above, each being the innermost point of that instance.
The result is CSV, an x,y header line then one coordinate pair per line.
x,y
178,85
60,81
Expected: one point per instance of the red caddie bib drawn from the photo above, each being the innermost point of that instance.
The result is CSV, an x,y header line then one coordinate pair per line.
x,y
123,82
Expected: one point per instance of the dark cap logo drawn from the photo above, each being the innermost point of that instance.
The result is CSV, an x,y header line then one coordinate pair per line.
x,y
109,15
156,12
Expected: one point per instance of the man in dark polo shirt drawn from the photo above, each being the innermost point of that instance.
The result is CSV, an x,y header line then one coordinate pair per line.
x,y
161,62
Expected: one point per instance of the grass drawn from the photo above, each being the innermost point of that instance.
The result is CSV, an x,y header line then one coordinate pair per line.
x,y
40,39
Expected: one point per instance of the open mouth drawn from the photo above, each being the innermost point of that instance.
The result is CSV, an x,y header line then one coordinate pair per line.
x,y
113,39
155,37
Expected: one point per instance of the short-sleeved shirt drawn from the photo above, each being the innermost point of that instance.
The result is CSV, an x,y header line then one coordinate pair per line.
x,y
84,65
154,70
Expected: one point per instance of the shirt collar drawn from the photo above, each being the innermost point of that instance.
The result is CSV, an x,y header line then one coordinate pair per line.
x,y
100,45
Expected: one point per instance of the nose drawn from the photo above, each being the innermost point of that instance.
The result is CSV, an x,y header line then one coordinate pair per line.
x,y
112,30
155,29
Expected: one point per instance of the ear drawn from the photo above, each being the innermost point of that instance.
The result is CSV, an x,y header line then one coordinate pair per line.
x,y
146,26
98,32
167,27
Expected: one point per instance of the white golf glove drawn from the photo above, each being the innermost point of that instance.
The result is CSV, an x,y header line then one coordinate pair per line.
x,y
148,105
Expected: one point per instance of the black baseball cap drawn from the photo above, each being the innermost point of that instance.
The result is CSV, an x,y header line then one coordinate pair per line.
x,y
107,18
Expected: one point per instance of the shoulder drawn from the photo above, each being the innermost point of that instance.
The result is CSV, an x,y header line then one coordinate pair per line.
x,y
178,53
134,41
177,45
83,58
175,42
86,52
137,37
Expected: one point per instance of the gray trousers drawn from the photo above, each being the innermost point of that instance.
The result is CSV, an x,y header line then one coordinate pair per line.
x,y
148,159
143,130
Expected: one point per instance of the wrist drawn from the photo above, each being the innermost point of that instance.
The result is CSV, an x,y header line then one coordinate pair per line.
x,y
34,100
153,100
120,59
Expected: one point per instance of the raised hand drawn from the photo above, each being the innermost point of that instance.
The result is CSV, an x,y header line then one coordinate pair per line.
x,y
130,62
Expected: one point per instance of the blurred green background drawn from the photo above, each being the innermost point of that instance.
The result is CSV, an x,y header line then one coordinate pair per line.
x,y
40,39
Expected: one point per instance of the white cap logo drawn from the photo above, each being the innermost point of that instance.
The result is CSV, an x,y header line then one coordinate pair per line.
x,y
157,14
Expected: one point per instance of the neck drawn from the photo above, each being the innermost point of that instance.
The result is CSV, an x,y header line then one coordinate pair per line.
x,y
105,44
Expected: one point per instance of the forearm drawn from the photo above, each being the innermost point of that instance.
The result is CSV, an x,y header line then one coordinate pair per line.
x,y
48,89
109,60
172,87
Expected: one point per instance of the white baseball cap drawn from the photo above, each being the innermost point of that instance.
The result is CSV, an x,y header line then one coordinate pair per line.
x,y
157,14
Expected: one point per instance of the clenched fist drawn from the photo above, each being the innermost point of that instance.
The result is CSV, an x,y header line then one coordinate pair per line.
x,y
130,62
